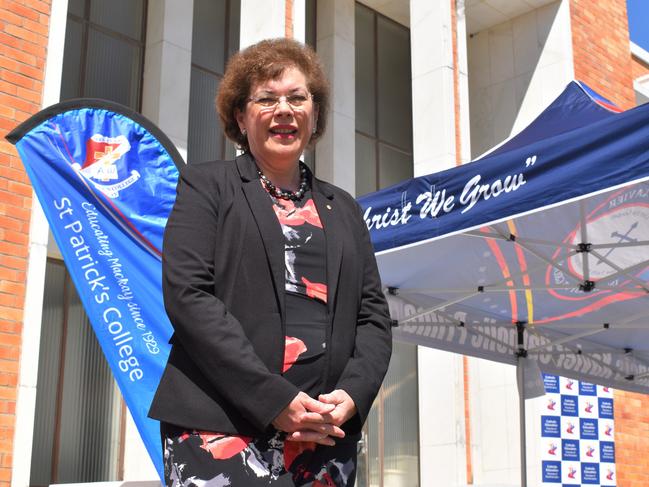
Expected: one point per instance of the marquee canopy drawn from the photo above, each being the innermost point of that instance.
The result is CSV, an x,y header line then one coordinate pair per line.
x,y
540,249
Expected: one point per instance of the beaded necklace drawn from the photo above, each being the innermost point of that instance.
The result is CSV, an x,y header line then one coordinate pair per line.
x,y
282,194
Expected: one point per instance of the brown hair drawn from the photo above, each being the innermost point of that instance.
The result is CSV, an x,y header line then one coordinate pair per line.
x,y
261,62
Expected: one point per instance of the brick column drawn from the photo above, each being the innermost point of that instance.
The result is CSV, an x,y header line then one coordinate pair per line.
x,y
602,56
631,439
23,43
602,59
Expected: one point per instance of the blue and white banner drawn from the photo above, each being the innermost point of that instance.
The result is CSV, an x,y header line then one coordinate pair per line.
x,y
106,179
577,434
568,152
548,232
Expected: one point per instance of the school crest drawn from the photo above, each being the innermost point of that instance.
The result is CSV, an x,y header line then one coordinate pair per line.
x,y
105,164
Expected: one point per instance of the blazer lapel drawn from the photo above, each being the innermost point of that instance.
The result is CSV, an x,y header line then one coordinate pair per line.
x,y
334,231
269,228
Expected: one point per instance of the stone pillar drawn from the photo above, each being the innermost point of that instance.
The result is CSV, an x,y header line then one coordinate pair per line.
x,y
261,19
167,70
299,19
463,85
441,388
335,157
433,107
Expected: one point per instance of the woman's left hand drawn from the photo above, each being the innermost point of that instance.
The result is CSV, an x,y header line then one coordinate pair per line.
x,y
344,407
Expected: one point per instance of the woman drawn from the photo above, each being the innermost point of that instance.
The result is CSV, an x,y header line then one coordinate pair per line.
x,y
282,334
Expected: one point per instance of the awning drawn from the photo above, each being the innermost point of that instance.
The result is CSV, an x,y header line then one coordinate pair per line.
x,y
540,249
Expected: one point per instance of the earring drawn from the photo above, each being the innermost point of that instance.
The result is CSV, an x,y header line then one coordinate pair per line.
x,y
244,132
315,129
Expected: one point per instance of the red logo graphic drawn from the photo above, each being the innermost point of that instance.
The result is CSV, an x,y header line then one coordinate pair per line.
x,y
589,451
608,430
553,449
571,472
606,389
551,404
101,154
609,475
569,384
589,407
101,151
570,429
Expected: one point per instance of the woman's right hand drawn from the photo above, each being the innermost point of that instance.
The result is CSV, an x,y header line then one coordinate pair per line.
x,y
303,420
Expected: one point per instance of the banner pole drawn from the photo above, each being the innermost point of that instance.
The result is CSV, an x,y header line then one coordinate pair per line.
x,y
523,436
520,379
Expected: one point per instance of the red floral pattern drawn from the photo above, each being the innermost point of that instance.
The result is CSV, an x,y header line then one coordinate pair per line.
x,y
315,290
222,446
290,214
293,348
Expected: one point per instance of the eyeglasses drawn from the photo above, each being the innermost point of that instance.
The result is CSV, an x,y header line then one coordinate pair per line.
x,y
269,102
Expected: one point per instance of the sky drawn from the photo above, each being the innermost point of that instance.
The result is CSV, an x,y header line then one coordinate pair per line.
x,y
638,11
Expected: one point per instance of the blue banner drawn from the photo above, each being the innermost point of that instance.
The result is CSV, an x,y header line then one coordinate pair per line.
x,y
551,426
588,428
559,157
569,405
587,451
551,471
106,180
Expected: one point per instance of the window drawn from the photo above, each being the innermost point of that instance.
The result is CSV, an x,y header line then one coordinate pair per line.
x,y
390,448
310,24
383,102
215,37
77,426
104,50
310,38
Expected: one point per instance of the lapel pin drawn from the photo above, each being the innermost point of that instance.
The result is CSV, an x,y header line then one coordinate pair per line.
x,y
328,207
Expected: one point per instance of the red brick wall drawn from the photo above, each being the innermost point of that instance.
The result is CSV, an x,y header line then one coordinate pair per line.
x,y
288,19
602,56
602,59
23,43
632,439
456,85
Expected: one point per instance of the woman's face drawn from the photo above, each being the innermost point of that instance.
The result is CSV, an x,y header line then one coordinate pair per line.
x,y
277,135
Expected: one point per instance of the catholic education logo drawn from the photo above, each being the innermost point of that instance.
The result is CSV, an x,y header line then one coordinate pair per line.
x,y
105,165
570,429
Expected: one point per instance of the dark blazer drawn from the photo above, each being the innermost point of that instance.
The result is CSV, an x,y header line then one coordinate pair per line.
x,y
223,286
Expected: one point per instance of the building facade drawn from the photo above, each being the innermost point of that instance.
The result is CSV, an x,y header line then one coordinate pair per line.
x,y
418,86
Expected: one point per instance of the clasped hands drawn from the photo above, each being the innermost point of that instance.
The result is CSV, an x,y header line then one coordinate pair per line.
x,y
307,419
